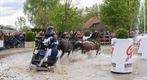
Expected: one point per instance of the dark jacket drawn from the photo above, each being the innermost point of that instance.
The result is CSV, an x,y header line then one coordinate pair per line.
x,y
52,59
53,43
49,34
94,35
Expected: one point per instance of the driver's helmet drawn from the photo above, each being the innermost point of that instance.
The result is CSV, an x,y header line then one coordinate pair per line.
x,y
50,27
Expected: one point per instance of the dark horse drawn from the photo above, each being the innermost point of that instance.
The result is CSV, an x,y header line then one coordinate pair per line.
x,y
87,45
65,44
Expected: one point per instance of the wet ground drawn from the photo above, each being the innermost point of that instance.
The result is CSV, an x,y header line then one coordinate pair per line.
x,y
76,67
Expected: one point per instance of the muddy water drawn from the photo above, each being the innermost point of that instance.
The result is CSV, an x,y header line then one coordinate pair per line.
x,y
76,67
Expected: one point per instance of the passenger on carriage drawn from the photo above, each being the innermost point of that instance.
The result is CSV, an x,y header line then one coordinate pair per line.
x,y
94,35
52,42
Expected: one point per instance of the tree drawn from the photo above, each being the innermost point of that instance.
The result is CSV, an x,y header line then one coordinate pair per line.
x,y
88,12
25,28
63,16
146,14
37,11
71,17
91,11
57,18
20,22
119,13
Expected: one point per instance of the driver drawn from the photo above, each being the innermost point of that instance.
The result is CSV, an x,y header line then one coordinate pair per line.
x,y
50,31
94,37
52,42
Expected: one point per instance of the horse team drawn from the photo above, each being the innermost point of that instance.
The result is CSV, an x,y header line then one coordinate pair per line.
x,y
45,56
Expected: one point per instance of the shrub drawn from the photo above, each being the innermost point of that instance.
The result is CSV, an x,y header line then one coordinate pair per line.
x,y
87,33
121,33
30,36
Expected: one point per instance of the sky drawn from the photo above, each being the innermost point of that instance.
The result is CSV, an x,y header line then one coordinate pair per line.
x,y
11,9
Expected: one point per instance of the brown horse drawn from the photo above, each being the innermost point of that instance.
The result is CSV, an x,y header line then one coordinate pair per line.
x,y
88,45
65,44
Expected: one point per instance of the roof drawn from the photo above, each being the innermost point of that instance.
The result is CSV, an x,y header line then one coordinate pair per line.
x,y
90,22
7,28
99,27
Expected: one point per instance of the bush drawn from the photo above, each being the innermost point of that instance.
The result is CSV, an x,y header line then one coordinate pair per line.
x,y
87,33
30,36
121,33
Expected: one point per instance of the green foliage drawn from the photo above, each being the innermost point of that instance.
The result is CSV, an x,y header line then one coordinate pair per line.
x,y
30,36
88,12
121,33
141,17
146,13
87,33
116,13
37,11
44,12
91,12
57,18
20,22
25,29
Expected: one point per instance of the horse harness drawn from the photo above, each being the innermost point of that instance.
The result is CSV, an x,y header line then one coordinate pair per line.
x,y
95,42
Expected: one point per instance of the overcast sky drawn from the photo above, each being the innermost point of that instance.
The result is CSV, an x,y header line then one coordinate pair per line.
x,y
11,9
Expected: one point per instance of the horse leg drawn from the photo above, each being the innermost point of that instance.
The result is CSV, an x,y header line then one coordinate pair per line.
x,y
68,54
62,55
97,51
84,51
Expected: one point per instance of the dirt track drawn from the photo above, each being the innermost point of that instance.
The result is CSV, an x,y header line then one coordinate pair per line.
x,y
76,67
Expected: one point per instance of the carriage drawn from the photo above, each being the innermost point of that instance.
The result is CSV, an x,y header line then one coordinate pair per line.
x,y
39,54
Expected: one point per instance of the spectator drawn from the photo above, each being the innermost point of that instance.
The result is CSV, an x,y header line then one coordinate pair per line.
x,y
1,35
79,35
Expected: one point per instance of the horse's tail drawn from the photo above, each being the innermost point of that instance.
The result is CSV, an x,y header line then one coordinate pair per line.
x,y
77,46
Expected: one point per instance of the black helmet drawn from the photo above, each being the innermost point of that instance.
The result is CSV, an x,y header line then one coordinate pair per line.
x,y
50,27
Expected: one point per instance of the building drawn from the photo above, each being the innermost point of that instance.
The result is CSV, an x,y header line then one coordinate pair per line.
x,y
94,23
7,29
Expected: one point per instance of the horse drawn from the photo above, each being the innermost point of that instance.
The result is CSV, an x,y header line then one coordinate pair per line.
x,y
88,45
65,44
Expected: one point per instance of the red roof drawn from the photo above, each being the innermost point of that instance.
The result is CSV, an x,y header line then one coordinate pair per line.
x,y
90,22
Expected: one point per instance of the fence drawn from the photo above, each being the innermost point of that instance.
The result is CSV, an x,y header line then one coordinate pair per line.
x,y
106,40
